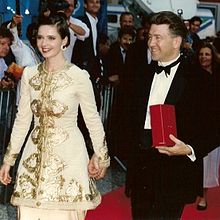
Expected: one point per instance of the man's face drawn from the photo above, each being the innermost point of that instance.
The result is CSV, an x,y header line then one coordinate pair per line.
x,y
194,27
4,46
125,41
162,44
127,20
69,10
92,7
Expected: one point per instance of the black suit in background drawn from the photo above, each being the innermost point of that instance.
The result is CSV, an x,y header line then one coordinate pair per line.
x,y
118,132
84,57
115,132
83,52
158,179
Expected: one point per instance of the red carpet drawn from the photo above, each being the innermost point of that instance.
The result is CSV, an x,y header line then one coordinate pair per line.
x,y
115,206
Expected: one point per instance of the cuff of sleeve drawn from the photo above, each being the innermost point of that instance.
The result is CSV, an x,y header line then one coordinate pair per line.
x,y
9,157
9,161
104,163
192,156
103,156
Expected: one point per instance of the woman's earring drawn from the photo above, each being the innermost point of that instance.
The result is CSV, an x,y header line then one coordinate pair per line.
x,y
63,47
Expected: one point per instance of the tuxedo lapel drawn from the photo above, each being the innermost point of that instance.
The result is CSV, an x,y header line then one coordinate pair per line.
x,y
177,86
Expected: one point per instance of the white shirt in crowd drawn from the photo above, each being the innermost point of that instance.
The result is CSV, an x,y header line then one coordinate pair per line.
x,y
93,22
24,53
73,36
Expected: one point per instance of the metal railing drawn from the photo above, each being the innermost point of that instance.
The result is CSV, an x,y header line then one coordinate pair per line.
x,y
7,115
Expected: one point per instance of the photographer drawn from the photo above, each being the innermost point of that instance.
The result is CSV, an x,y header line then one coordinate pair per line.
x,y
6,39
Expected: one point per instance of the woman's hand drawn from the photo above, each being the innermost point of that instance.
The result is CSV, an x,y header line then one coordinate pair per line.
x,y
95,170
4,174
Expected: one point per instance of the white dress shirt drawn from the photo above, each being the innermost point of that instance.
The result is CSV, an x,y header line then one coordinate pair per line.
x,y
24,54
93,22
158,93
123,53
159,89
73,36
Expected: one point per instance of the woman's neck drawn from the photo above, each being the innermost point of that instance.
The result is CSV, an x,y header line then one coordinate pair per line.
x,y
52,65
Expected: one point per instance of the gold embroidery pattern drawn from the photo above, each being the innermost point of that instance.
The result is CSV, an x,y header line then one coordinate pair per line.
x,y
104,158
44,168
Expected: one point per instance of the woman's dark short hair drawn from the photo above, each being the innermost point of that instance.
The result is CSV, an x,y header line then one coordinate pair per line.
x,y
60,21
176,25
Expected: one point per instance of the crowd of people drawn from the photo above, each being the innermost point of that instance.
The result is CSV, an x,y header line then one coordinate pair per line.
x,y
67,64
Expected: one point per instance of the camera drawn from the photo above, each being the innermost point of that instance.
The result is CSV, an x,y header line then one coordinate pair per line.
x,y
57,5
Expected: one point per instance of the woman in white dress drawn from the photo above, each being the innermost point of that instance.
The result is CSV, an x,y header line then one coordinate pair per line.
x,y
55,178
210,63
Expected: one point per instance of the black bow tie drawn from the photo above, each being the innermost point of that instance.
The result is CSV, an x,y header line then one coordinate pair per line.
x,y
159,69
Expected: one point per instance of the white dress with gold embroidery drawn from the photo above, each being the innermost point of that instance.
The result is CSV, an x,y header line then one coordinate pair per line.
x,y
53,172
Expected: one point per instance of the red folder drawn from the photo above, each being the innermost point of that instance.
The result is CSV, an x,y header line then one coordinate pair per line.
x,y
163,123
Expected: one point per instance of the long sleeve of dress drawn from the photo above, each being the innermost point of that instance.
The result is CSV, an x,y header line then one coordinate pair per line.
x,y
22,122
92,119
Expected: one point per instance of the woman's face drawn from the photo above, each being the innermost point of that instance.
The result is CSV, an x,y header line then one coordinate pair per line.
x,y
49,41
205,57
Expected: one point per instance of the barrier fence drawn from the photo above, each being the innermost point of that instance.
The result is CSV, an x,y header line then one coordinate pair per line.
x,y
7,115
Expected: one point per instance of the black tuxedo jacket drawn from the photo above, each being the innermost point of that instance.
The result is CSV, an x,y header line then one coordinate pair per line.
x,y
83,52
115,60
175,178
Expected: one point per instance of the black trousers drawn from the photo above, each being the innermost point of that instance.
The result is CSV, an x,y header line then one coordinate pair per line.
x,y
146,199
145,208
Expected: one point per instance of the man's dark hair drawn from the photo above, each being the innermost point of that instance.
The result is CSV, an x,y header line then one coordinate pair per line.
x,y
126,13
59,20
31,33
126,30
176,25
195,18
6,33
31,28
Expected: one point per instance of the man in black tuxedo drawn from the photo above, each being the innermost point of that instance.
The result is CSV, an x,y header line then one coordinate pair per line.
x,y
85,53
161,180
118,77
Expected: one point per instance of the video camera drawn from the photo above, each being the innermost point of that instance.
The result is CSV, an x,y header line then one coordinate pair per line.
x,y
57,5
